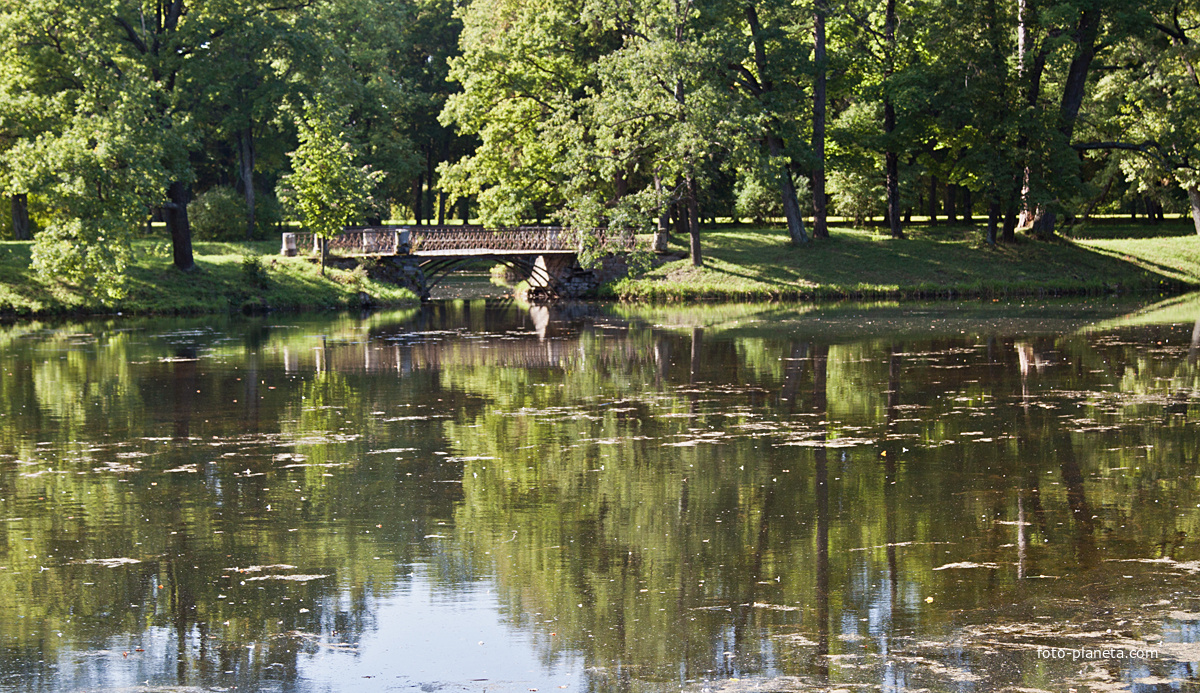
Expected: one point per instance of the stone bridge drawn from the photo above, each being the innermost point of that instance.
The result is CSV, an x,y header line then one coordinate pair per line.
x,y
546,257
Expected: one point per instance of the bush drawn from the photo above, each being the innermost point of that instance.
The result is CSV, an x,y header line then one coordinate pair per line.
x,y
219,214
856,195
253,272
758,201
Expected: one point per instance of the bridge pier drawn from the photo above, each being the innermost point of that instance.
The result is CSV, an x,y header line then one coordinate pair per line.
x,y
547,257
550,271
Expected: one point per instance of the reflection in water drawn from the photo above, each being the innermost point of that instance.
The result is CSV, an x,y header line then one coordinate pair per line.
x,y
482,496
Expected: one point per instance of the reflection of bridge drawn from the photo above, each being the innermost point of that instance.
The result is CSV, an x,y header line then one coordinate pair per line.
x,y
542,254
377,357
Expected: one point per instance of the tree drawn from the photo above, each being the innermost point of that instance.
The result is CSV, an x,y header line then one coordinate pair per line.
x,y
819,113
173,43
525,69
326,188
37,83
1153,106
1074,33
97,177
767,73
249,73
89,150
662,93
895,78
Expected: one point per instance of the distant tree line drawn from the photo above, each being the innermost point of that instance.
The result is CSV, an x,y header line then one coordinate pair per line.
x,y
652,114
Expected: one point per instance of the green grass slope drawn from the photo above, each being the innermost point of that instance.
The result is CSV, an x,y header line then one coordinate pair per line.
x,y
753,264
222,281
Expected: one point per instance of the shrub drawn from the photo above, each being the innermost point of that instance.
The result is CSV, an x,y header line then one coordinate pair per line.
x,y
219,214
253,272
856,195
758,201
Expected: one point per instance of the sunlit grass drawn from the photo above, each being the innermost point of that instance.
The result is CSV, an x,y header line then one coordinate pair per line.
x,y
219,283
941,261
1175,257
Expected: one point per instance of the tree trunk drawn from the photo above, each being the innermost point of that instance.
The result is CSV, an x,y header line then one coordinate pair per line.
x,y
967,212
464,210
246,149
791,207
693,213
933,199
820,210
1010,220
1033,89
1194,197
20,218
1073,92
993,221
787,191
176,217
893,179
787,187
951,203
662,235
429,182
891,156
1087,31
441,208
1043,224
418,199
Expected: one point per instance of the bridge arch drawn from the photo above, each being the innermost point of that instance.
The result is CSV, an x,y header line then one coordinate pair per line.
x,y
544,255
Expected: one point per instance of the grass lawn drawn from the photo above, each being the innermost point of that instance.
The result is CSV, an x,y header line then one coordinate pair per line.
x,y
740,263
749,263
221,282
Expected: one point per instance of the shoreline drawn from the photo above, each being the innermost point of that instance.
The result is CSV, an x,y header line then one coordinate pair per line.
x,y
939,263
741,265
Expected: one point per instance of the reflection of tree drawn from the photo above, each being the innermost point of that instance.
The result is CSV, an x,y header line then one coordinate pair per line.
x,y
148,454
666,495
821,491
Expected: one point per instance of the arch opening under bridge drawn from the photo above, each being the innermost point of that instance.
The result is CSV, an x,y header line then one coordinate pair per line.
x,y
546,257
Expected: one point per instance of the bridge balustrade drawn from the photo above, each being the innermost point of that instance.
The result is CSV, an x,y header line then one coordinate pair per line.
x,y
454,240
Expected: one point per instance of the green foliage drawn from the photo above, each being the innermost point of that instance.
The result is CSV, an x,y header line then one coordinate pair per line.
x,y
757,201
97,177
1152,109
856,194
219,213
253,272
758,198
326,189
583,111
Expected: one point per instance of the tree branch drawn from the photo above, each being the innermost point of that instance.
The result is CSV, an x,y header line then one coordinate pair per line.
x,y
747,79
1144,147
131,35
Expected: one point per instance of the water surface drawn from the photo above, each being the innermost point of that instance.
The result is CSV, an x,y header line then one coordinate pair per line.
x,y
475,495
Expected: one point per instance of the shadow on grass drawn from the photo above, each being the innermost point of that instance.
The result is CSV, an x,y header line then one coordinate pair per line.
x,y
762,259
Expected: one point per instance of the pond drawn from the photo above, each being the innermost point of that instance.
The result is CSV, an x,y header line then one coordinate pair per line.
x,y
476,495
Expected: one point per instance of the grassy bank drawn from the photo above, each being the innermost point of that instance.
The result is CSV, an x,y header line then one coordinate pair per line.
x,y
223,280
760,264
